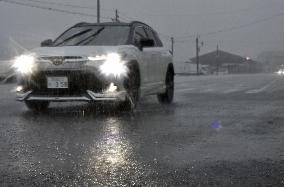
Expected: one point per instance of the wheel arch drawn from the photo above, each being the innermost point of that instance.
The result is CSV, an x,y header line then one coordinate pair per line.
x,y
133,65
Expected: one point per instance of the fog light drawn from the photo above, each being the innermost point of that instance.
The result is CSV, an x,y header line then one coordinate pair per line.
x,y
19,88
112,88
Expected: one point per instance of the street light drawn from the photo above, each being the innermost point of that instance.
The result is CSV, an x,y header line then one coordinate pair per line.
x,y
249,62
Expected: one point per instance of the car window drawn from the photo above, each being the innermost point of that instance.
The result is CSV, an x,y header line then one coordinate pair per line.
x,y
158,40
151,35
139,33
94,35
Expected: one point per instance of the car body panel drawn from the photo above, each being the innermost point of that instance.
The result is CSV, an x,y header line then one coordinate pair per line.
x,y
70,61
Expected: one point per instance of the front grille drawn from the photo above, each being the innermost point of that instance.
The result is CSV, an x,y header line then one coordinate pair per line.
x,y
51,58
58,60
78,83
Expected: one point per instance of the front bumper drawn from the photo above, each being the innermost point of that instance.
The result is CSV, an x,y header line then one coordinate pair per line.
x,y
82,86
88,97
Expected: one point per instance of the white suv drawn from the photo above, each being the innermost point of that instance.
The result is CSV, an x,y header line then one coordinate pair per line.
x,y
105,63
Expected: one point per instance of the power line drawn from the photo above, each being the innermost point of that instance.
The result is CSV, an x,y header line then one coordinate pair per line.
x,y
67,5
51,9
164,35
65,11
225,12
130,18
62,4
123,20
181,39
229,29
126,16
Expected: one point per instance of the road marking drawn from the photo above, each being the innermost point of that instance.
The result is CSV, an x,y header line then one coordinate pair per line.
x,y
232,90
261,89
208,90
185,90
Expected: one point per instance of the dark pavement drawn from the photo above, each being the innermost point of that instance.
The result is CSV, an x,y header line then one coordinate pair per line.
x,y
220,131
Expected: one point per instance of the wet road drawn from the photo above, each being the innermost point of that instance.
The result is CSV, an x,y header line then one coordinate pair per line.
x,y
220,131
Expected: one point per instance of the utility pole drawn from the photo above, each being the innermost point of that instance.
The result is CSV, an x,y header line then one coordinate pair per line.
x,y
98,11
217,62
197,53
172,45
116,16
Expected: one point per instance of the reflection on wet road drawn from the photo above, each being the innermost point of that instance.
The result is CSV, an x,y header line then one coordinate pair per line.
x,y
112,158
218,132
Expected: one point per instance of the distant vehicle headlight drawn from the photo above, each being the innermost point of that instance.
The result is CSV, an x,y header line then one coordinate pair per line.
x,y
112,65
280,72
24,64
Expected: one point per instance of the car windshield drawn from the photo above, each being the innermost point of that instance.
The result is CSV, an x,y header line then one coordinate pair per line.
x,y
94,35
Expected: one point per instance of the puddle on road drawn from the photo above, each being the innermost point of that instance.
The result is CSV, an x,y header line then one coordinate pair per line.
x,y
112,160
108,158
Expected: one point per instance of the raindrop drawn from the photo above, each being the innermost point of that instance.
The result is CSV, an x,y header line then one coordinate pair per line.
x,y
155,160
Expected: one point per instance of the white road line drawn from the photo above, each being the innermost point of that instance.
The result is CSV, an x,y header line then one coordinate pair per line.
x,y
185,90
261,89
232,90
208,90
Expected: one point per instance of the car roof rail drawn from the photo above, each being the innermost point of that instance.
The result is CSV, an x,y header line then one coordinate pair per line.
x,y
80,23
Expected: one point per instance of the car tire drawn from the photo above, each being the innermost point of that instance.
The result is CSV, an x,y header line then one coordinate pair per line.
x,y
168,96
37,106
132,86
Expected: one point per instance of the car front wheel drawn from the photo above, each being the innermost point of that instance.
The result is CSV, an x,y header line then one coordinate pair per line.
x,y
167,97
132,86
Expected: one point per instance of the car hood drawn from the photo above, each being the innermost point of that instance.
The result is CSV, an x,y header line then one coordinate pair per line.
x,y
77,50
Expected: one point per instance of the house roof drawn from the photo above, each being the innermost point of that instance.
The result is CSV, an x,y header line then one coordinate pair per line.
x,y
221,57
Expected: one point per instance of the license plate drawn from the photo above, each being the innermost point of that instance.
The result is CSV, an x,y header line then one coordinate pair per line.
x,y
57,82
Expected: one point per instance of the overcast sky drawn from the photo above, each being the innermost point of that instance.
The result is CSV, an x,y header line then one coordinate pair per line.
x,y
246,27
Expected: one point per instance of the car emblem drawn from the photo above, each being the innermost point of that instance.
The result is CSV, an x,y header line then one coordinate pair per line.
x,y
57,61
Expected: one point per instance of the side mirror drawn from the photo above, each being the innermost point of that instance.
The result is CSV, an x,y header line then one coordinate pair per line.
x,y
146,43
46,43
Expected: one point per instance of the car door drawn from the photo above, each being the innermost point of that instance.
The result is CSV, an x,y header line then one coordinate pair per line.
x,y
154,53
145,58
160,58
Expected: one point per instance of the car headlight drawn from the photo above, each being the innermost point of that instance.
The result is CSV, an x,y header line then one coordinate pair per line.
x,y
24,64
112,65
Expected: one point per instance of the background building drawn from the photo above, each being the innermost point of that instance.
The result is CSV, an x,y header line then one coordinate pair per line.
x,y
228,63
272,60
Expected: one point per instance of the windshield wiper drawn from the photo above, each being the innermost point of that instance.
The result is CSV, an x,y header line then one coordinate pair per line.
x,y
92,36
74,36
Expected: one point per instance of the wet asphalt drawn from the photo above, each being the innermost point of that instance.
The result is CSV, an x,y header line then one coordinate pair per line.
x,y
220,131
